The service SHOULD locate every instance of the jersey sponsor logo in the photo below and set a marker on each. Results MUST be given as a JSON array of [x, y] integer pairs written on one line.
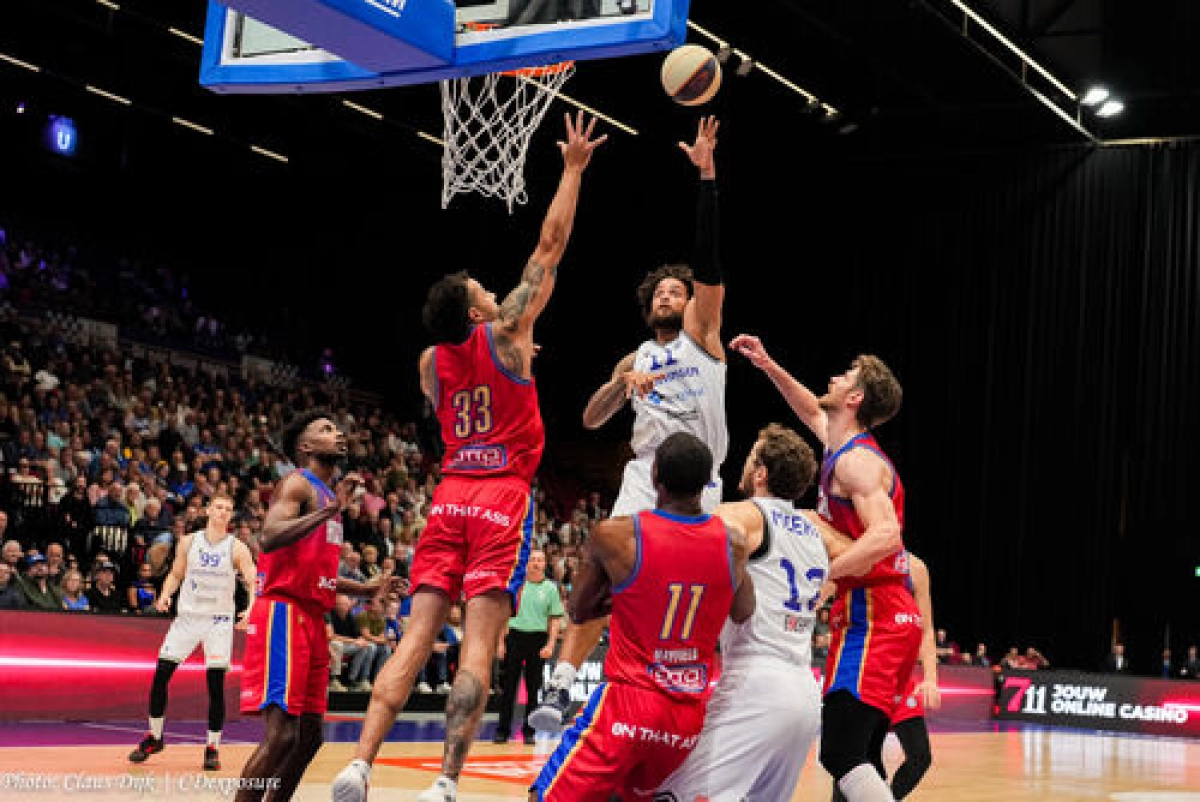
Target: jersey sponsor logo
[[680, 678], [333, 531], [796, 623], [473, 576], [327, 583], [470, 511], [908, 618], [635, 732], [479, 458]]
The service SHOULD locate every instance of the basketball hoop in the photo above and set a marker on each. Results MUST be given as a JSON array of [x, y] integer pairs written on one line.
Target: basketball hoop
[[489, 120]]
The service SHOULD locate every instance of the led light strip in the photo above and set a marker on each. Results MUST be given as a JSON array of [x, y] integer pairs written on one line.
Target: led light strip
[[982, 23]]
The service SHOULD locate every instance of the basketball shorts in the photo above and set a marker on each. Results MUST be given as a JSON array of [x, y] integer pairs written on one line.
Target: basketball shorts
[[875, 636], [909, 705], [287, 658], [625, 741], [763, 718], [477, 539], [189, 630], [637, 490]]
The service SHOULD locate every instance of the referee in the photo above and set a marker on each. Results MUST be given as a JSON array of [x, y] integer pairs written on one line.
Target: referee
[[529, 640]]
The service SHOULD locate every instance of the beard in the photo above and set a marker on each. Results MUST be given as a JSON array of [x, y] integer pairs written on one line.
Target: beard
[[670, 321]]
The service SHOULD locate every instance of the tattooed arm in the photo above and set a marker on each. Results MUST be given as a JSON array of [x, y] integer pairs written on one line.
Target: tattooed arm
[[525, 303]]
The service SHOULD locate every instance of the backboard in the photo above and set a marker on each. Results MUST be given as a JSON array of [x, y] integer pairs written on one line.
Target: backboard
[[277, 46]]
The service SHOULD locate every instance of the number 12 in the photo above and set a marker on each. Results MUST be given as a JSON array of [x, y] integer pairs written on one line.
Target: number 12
[[816, 575]]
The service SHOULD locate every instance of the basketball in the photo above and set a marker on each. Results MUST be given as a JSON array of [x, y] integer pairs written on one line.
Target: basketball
[[691, 75]]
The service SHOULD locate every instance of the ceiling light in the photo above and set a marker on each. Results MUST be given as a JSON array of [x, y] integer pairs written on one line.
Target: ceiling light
[[1094, 96], [1110, 108]]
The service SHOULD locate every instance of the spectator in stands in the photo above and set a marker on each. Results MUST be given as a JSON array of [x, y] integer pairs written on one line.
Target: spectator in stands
[[1190, 668], [1011, 659], [1116, 662], [103, 596], [820, 650], [1033, 659], [1166, 664], [77, 516], [54, 564], [392, 621], [12, 554], [372, 628], [10, 591], [73, 597], [110, 510], [142, 593], [437, 668], [369, 566], [947, 650], [981, 656], [345, 642], [37, 593]]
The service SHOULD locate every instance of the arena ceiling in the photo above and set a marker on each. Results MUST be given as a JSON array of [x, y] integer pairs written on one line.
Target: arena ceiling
[[906, 76]]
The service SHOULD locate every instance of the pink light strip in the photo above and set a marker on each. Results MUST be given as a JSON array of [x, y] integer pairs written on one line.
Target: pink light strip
[[114, 665]]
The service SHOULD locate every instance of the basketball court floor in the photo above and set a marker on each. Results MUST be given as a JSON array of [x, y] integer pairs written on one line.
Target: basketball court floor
[[992, 762]]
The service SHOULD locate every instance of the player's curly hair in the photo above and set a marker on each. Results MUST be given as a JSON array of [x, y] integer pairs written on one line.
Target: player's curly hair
[[446, 308], [289, 438], [788, 459], [645, 290], [881, 391]]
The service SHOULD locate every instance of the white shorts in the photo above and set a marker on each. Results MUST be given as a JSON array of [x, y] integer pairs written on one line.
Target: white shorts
[[763, 718], [189, 630], [637, 490]]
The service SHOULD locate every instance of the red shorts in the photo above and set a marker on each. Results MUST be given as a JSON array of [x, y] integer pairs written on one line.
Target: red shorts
[[625, 741], [287, 658], [908, 705], [875, 636], [477, 539]]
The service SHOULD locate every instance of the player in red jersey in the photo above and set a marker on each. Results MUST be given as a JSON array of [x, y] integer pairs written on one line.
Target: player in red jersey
[[477, 541], [670, 577], [287, 654], [875, 623], [908, 713]]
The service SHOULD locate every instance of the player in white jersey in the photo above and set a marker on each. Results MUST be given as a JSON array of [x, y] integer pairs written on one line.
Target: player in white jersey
[[766, 710], [675, 382], [205, 570]]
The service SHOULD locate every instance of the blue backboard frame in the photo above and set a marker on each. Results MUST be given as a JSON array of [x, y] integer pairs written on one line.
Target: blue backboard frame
[[663, 27]]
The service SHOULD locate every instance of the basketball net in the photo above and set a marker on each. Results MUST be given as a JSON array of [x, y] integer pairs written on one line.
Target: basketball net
[[489, 120]]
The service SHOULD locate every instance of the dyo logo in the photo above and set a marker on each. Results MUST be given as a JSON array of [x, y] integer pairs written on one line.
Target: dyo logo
[[327, 583]]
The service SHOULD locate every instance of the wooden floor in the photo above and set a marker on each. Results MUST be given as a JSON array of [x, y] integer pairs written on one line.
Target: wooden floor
[[1033, 764]]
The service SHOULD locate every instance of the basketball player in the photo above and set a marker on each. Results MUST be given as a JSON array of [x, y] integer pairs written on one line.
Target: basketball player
[[908, 714], [477, 540], [670, 576], [287, 649], [675, 383], [875, 624], [766, 709], [206, 567]]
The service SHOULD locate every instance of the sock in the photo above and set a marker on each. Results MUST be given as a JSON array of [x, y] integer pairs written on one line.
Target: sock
[[361, 765], [156, 726], [446, 781], [863, 784], [564, 675], [214, 738]]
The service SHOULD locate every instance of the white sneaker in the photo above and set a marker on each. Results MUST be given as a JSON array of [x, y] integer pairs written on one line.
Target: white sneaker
[[363, 685], [443, 790], [336, 686], [444, 688], [351, 783], [423, 687]]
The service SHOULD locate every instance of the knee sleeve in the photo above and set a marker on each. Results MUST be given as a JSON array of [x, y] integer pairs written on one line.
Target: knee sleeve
[[158, 689], [216, 699]]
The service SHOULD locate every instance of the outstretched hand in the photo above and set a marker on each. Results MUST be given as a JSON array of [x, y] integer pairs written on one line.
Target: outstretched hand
[[577, 150], [701, 151], [752, 348], [345, 490]]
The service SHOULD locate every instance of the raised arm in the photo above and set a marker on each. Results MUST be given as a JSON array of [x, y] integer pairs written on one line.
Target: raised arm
[[799, 398], [613, 394], [864, 478], [928, 687], [523, 305], [702, 316]]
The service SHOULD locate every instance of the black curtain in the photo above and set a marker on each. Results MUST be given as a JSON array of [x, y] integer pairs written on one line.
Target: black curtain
[[1041, 311]]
